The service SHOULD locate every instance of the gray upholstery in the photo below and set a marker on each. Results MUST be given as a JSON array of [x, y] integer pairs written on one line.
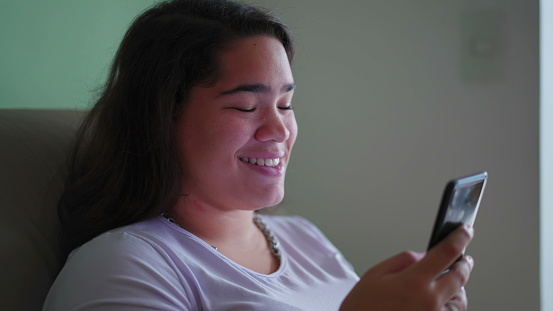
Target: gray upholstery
[[33, 149]]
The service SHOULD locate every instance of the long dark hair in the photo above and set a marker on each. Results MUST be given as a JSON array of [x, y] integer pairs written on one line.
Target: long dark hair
[[124, 167]]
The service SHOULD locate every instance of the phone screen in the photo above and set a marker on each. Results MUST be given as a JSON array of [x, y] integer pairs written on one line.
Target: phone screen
[[459, 205]]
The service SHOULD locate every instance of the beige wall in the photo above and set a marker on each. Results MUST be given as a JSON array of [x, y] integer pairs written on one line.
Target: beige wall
[[388, 112]]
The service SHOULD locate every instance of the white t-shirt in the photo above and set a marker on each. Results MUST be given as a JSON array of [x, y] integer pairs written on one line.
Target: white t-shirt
[[156, 265]]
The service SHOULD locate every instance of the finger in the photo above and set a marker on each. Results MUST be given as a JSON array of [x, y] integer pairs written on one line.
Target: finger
[[458, 302], [396, 263], [445, 253], [450, 306], [451, 282]]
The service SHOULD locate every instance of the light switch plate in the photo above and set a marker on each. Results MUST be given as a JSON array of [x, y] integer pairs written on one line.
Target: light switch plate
[[482, 46]]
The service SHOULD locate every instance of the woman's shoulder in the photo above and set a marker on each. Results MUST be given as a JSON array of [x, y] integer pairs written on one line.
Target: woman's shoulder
[[126, 238], [120, 248], [118, 266]]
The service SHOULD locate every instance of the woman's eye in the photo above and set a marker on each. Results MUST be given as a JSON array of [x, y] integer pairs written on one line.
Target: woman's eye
[[244, 109], [286, 108]]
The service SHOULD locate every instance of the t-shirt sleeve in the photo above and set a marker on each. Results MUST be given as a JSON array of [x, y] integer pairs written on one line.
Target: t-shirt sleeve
[[120, 271]]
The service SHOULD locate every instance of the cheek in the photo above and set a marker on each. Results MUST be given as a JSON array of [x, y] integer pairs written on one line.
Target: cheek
[[221, 137]]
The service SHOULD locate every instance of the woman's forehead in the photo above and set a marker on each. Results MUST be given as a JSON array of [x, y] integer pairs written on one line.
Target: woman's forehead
[[255, 60]]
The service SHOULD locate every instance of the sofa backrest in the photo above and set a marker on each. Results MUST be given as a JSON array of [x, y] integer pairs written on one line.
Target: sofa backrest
[[34, 145]]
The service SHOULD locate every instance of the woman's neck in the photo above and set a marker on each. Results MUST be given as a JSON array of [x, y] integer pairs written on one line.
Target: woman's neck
[[222, 228], [232, 232]]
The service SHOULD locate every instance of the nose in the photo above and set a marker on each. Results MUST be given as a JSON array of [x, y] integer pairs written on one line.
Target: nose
[[273, 127]]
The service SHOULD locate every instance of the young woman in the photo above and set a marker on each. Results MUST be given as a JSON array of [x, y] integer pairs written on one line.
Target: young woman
[[191, 136]]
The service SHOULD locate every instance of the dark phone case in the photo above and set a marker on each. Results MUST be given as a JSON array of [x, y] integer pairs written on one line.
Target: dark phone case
[[459, 205]]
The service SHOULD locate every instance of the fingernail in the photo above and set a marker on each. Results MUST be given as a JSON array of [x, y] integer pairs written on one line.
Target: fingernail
[[469, 229], [470, 260]]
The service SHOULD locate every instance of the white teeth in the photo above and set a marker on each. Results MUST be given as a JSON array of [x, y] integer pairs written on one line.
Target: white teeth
[[261, 161]]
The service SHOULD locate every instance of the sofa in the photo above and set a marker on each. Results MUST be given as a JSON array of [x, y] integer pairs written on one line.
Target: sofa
[[33, 157]]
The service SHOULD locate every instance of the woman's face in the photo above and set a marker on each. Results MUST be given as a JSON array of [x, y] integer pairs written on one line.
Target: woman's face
[[235, 137]]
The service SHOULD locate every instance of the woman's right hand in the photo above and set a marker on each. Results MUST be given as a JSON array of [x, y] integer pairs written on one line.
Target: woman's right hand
[[417, 281]]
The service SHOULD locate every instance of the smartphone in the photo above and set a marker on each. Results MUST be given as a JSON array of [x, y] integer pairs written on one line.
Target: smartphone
[[459, 205]]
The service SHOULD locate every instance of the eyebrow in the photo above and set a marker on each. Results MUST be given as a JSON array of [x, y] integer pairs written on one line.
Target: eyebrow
[[257, 88]]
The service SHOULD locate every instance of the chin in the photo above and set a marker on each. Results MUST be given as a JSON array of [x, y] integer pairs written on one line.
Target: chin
[[276, 200], [268, 201]]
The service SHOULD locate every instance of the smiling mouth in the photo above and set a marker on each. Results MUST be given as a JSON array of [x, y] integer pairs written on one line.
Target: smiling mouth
[[261, 161]]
